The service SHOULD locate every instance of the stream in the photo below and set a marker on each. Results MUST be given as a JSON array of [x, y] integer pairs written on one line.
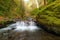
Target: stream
[[25, 30], [21, 26]]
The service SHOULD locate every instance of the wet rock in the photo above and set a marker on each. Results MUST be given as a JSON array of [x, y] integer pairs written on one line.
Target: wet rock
[[4, 24]]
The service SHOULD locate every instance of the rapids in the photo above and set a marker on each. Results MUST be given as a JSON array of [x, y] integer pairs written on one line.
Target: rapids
[[22, 26]]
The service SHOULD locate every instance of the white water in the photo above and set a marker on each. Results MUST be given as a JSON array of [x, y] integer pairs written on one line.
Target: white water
[[22, 26]]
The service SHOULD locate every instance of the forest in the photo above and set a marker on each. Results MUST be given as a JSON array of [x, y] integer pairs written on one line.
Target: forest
[[45, 13]]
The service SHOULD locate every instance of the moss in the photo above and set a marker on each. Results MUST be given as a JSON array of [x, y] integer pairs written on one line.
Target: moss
[[49, 16]]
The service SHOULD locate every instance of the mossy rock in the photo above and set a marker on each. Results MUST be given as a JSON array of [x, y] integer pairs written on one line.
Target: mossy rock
[[49, 17], [51, 23]]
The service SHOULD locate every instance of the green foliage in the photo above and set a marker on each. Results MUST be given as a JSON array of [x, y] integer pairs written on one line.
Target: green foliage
[[6, 7], [50, 1], [12, 9], [54, 6], [49, 16], [35, 11]]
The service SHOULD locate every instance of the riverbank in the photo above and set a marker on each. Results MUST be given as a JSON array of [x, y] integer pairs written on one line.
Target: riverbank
[[47, 30]]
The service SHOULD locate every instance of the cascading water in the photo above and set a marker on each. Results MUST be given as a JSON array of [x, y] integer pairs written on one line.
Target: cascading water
[[22, 26]]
